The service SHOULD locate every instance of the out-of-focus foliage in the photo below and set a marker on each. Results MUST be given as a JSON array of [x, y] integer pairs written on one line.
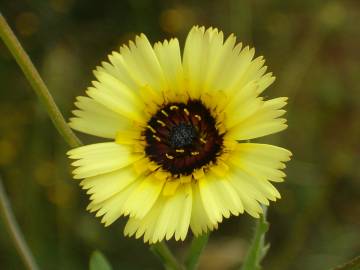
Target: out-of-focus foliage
[[312, 46]]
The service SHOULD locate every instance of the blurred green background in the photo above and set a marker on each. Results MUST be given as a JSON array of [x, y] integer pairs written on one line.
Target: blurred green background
[[312, 46]]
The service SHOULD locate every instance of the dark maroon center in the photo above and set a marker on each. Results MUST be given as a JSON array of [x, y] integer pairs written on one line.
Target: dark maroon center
[[182, 137]]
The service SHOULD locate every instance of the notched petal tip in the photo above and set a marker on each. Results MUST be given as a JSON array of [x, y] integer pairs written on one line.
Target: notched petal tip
[[77, 177], [143, 36], [71, 152]]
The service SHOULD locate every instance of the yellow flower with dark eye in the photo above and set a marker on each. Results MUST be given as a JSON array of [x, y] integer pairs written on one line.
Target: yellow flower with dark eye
[[178, 155]]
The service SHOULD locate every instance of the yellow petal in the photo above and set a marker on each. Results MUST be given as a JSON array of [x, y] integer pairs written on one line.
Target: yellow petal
[[142, 63], [106, 185], [170, 216], [264, 121], [108, 123], [100, 158], [263, 161], [171, 187], [144, 197], [200, 221], [168, 54]]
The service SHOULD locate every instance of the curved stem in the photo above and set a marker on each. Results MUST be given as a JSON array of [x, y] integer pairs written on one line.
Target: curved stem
[[197, 246], [162, 251], [14, 231], [32, 75]]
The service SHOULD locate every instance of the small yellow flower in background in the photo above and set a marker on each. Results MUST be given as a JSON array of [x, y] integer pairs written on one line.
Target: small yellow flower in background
[[178, 155]]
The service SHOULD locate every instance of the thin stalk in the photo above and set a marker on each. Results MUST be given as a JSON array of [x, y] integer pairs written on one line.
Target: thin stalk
[[354, 264], [14, 231], [197, 246], [258, 249], [38, 85], [162, 251]]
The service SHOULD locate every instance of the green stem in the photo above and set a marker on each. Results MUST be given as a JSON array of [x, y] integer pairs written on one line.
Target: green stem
[[32, 75], [162, 251], [354, 264], [197, 246], [14, 231], [258, 249]]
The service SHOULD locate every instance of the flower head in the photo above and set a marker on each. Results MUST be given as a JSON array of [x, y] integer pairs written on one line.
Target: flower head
[[178, 155]]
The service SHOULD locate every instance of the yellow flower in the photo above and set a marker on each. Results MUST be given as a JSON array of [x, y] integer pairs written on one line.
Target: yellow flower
[[178, 155]]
